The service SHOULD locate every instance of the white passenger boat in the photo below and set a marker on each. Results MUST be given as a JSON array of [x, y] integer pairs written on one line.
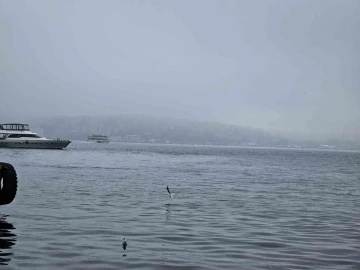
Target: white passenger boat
[[98, 138]]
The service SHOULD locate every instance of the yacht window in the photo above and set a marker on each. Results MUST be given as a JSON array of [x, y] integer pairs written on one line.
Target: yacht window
[[15, 136], [23, 136]]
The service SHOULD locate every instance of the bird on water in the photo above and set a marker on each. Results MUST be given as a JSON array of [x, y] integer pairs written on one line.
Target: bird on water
[[171, 195], [124, 244]]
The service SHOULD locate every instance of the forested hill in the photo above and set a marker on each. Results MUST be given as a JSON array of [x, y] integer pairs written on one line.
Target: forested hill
[[154, 129]]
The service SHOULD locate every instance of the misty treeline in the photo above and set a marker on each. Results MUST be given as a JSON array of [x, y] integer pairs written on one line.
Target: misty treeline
[[155, 129]]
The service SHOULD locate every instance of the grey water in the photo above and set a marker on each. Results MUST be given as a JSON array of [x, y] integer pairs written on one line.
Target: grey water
[[233, 208]]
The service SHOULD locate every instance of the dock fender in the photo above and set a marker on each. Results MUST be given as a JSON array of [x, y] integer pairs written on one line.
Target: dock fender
[[8, 181]]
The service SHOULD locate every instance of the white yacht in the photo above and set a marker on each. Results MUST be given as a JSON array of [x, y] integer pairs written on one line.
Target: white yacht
[[20, 136], [99, 138]]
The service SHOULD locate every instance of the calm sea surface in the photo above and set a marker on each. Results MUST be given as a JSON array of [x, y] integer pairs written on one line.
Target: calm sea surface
[[234, 208]]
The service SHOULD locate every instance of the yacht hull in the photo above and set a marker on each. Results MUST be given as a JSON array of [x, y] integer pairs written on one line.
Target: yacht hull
[[35, 144]]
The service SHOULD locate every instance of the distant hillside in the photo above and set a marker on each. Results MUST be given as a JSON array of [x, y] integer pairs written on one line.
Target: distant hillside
[[154, 129]]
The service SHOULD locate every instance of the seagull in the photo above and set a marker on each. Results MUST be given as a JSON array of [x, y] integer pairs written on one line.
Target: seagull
[[124, 244], [171, 195]]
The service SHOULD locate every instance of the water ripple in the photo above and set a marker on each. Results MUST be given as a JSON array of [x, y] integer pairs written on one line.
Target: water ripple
[[234, 208]]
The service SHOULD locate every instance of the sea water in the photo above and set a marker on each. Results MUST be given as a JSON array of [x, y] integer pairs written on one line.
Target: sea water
[[233, 208]]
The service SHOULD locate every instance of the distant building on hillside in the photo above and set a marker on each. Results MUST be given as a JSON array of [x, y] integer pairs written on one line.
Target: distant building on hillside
[[132, 138]]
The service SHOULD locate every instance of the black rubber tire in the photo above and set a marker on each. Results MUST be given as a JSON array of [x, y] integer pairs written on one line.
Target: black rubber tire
[[8, 178]]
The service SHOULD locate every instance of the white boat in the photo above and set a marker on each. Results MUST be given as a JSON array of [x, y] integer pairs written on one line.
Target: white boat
[[99, 138], [20, 136]]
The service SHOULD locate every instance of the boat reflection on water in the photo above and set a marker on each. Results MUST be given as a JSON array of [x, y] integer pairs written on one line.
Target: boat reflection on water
[[7, 240]]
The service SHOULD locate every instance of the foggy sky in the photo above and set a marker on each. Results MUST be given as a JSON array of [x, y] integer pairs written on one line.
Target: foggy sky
[[291, 66]]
